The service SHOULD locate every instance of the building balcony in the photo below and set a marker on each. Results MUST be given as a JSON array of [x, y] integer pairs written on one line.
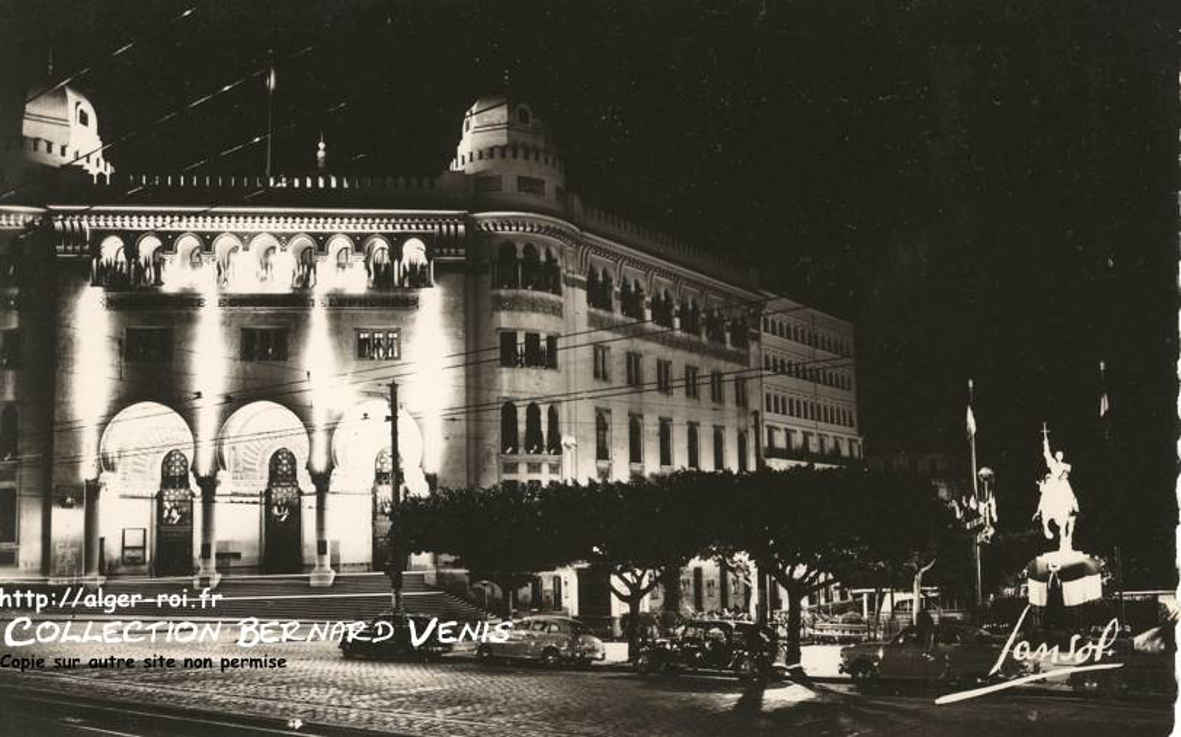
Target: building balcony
[[809, 456]]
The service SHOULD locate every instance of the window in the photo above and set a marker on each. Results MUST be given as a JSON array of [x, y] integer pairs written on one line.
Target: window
[[488, 184], [8, 433], [715, 387], [10, 349], [531, 185], [135, 545], [664, 371], [375, 344], [602, 363], [508, 428], [8, 516], [742, 466], [720, 447], [508, 349], [740, 392], [533, 352], [83, 117], [771, 433], [553, 433], [635, 439], [691, 382], [602, 435], [533, 440], [635, 374], [147, 345], [551, 351], [264, 344], [693, 446], [666, 441]]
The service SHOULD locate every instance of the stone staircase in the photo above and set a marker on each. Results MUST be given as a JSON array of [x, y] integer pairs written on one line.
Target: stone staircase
[[352, 596]]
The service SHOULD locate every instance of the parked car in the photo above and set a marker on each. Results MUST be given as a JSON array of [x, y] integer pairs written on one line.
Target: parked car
[[389, 636], [953, 654], [743, 649], [549, 639], [1147, 667]]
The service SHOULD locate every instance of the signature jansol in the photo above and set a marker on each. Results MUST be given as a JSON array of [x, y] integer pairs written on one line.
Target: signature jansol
[[1074, 660]]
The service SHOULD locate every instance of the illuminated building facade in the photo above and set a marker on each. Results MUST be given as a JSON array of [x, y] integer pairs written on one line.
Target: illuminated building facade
[[217, 353]]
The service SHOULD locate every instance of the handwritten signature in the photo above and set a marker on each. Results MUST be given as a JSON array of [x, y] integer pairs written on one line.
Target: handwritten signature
[[1074, 660]]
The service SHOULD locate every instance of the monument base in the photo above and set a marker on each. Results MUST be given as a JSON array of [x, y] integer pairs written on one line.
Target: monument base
[[1076, 572]]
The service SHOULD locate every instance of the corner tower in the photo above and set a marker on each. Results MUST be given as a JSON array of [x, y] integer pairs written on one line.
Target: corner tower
[[508, 148]]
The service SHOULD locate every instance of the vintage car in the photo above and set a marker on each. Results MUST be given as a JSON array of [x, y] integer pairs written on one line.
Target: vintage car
[[1146, 670], [952, 654], [548, 639], [743, 649], [389, 636]]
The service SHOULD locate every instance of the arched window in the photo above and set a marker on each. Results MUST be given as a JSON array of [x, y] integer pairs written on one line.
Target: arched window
[[282, 468], [662, 310], [553, 273], [608, 287], [508, 428], [592, 288], [553, 433], [174, 471], [625, 297], [8, 433], [342, 259], [635, 439], [83, 116], [531, 268], [507, 274], [383, 468], [534, 443]]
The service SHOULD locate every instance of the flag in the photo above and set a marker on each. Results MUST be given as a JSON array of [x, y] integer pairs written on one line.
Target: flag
[[971, 423], [271, 80], [1104, 403]]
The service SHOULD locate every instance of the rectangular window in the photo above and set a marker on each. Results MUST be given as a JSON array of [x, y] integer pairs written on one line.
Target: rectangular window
[[715, 387], [602, 434], [664, 370], [147, 345], [10, 348], [488, 184], [694, 459], [691, 390], [8, 516], [508, 348], [531, 185], [533, 353], [602, 363], [135, 545], [635, 439], [720, 447], [551, 351], [666, 441], [264, 344], [771, 432], [375, 344], [740, 392], [635, 374]]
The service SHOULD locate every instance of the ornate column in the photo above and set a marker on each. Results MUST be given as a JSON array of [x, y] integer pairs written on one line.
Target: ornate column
[[207, 574], [322, 575], [92, 550]]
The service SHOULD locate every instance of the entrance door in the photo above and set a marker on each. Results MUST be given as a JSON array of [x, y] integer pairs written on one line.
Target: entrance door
[[174, 518], [283, 551]]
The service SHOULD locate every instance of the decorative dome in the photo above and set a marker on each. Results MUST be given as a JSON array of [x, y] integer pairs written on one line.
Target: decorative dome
[[503, 135], [60, 128]]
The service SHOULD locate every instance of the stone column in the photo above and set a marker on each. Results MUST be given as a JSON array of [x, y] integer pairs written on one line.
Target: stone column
[[322, 575], [207, 574], [91, 549]]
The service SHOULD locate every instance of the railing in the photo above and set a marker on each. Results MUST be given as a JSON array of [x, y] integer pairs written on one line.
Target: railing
[[800, 454]]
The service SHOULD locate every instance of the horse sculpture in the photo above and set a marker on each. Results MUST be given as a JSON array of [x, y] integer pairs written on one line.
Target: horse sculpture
[[1058, 503]]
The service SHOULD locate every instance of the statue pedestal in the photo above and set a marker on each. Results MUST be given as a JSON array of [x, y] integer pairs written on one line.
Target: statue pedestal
[[1076, 572]]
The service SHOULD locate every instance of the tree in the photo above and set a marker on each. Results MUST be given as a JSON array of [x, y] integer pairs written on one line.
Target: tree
[[503, 534], [643, 531], [797, 525]]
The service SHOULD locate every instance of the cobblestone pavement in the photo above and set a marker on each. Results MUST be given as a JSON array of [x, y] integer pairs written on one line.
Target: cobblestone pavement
[[460, 697]]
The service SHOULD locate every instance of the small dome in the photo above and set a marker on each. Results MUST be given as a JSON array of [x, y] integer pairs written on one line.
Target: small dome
[[504, 136], [60, 128]]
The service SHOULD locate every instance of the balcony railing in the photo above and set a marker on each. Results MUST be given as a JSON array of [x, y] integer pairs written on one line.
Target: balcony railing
[[808, 456]]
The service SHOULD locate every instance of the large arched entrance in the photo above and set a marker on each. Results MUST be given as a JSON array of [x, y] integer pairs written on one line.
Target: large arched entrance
[[363, 462], [146, 485], [263, 448], [174, 517]]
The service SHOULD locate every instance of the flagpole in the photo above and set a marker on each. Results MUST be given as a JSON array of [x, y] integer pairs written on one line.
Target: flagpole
[[270, 109], [975, 495]]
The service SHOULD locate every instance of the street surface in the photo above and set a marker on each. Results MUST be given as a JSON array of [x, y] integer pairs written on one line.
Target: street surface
[[333, 696]]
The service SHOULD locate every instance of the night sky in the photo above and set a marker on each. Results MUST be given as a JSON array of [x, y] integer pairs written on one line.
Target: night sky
[[985, 188]]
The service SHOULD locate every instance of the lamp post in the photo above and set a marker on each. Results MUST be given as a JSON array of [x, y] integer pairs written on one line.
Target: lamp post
[[397, 562]]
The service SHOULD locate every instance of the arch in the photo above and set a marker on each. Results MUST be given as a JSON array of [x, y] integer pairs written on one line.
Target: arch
[[252, 434], [508, 275], [111, 249], [137, 439], [414, 252], [174, 517], [508, 428], [553, 431], [303, 252], [147, 245], [363, 433], [283, 549], [338, 243], [534, 441], [188, 251], [223, 245], [530, 267]]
